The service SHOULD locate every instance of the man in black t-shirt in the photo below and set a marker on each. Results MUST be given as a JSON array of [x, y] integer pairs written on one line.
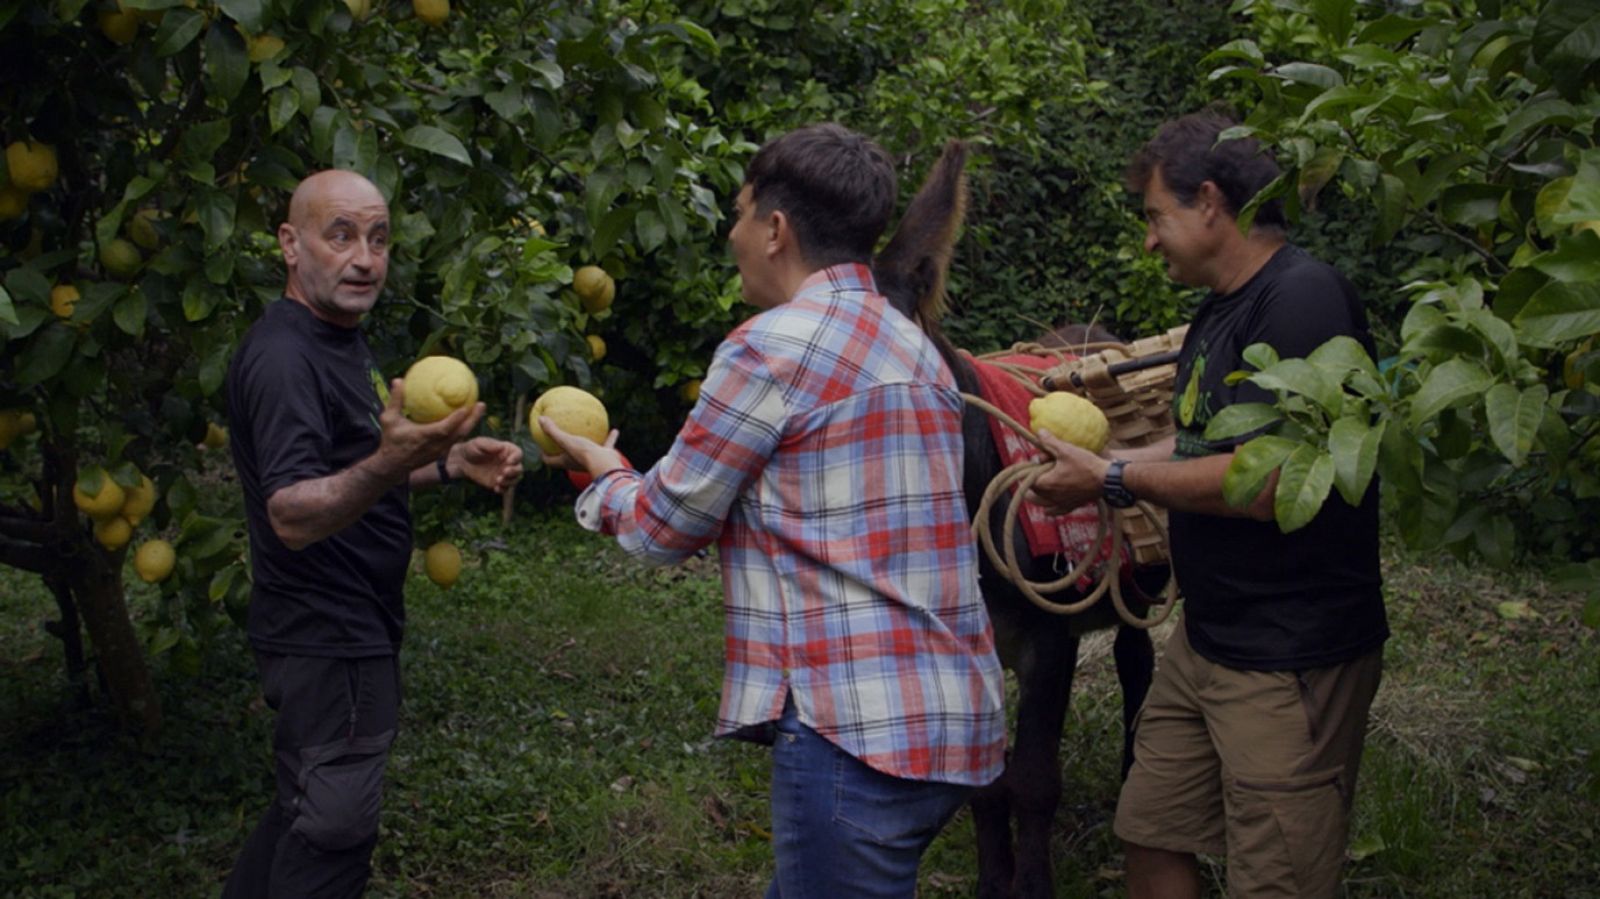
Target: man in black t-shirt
[[1250, 739], [326, 461]]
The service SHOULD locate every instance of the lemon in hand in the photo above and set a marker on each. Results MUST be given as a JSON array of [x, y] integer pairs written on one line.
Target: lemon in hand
[[576, 411], [442, 562], [437, 386], [1071, 418]]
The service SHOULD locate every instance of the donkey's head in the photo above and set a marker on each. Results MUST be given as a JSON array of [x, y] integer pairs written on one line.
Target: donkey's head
[[911, 269]]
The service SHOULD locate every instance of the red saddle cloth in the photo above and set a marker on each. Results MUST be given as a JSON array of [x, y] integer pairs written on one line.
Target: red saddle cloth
[[1071, 535]]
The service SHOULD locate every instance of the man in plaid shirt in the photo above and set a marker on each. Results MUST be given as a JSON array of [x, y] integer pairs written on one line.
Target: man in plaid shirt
[[824, 457]]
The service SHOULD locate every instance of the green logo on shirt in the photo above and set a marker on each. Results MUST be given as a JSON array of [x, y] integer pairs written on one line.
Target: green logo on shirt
[[1190, 402]]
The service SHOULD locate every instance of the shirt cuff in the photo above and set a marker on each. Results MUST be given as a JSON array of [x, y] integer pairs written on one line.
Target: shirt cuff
[[588, 507]]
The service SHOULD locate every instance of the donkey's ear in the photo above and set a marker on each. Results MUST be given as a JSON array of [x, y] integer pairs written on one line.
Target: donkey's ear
[[918, 255]]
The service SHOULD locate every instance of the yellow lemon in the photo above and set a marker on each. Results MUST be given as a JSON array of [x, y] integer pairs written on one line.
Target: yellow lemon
[[153, 561], [433, 12], [113, 533], [119, 27], [139, 502], [13, 202], [437, 386], [141, 229], [216, 436], [597, 347], [594, 287], [32, 165], [104, 504], [121, 258], [63, 297], [576, 411], [1071, 418], [359, 9], [690, 390], [15, 423], [442, 562], [263, 47]]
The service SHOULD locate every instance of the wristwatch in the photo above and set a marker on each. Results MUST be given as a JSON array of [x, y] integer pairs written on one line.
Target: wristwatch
[[1117, 495]]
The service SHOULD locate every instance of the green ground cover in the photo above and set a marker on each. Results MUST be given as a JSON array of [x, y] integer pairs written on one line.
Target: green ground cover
[[555, 742]]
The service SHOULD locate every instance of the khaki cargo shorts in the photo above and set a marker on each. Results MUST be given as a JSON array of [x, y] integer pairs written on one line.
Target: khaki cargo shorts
[[1259, 766]]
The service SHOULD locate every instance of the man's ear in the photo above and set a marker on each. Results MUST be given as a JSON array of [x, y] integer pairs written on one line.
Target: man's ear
[[289, 243], [780, 233], [1210, 197]]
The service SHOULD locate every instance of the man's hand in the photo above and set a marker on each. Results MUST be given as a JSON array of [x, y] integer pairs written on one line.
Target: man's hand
[[581, 453], [1075, 479], [491, 464], [406, 445]]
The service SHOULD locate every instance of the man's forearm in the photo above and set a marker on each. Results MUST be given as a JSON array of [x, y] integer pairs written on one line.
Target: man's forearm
[[309, 511], [1193, 485]]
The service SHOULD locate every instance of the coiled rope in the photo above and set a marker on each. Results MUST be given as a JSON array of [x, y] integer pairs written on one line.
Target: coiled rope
[[1022, 476]]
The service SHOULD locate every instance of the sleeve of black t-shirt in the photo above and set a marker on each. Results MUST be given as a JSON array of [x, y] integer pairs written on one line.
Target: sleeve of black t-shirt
[[284, 413], [1303, 312]]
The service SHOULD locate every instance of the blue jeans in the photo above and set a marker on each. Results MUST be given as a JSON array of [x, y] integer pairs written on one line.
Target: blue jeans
[[842, 829]]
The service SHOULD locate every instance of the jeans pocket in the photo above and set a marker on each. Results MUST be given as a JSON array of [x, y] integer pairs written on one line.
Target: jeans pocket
[[892, 811]]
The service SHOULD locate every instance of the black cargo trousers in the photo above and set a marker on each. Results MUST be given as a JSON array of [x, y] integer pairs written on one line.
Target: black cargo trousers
[[336, 722]]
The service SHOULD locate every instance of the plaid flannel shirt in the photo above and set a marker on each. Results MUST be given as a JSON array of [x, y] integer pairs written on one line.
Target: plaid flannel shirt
[[824, 458]]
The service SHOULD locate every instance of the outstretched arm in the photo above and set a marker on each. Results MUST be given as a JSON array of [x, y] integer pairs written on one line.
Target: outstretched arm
[[308, 511], [1187, 485], [494, 465]]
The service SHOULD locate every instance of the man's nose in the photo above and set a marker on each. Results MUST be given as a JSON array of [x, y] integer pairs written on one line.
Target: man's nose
[[364, 256], [1150, 242]]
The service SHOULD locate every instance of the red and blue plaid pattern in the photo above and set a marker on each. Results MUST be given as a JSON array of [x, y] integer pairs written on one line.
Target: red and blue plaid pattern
[[824, 458]]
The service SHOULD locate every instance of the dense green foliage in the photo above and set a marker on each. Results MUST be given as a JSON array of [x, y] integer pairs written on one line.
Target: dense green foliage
[[1473, 128], [555, 741]]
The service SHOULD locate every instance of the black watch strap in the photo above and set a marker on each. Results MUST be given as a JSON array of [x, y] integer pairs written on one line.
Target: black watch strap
[[1117, 494], [444, 472]]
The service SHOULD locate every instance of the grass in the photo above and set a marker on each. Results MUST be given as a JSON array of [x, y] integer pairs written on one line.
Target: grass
[[555, 742]]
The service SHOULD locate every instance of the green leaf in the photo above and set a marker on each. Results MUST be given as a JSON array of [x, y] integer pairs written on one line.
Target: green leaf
[[1301, 377], [1241, 418], [46, 355], [1558, 312], [282, 104], [1514, 418], [1390, 195], [1354, 449], [179, 26], [508, 103], [129, 313], [1259, 356], [1575, 258], [1253, 463], [611, 228], [1447, 384], [249, 13], [216, 212], [1341, 355], [1304, 480], [1392, 29], [438, 142], [1471, 204], [227, 62], [309, 90], [1336, 18], [8, 312], [1566, 40], [1309, 73]]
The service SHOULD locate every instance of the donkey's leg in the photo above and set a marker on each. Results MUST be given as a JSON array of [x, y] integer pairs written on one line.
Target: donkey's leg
[[1136, 661], [991, 822], [1034, 774]]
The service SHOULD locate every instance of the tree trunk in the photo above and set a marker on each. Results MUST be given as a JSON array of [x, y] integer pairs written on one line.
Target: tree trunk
[[97, 585], [70, 630]]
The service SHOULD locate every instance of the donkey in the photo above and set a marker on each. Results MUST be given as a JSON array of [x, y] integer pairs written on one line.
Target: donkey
[[1040, 647]]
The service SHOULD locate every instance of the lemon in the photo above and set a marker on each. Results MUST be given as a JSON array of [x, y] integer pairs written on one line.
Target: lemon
[[15, 423], [119, 27], [359, 9], [437, 386], [433, 12], [153, 561], [13, 202], [597, 347], [140, 500], [442, 562], [63, 297], [594, 287], [576, 411], [121, 258], [113, 533], [1071, 418], [690, 390], [263, 47], [141, 229], [493, 422], [105, 503], [216, 436], [32, 165]]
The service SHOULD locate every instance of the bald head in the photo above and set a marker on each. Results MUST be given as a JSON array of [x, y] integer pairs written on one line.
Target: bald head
[[336, 246]]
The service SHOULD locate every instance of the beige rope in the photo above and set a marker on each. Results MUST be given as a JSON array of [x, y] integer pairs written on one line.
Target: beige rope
[[1021, 476]]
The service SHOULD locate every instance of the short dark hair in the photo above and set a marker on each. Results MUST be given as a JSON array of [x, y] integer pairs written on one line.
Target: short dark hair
[[836, 187], [1187, 154]]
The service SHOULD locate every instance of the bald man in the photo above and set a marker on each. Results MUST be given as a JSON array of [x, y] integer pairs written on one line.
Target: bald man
[[326, 461]]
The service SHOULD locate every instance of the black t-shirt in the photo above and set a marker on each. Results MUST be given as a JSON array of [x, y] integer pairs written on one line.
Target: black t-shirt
[[1256, 598], [303, 402]]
